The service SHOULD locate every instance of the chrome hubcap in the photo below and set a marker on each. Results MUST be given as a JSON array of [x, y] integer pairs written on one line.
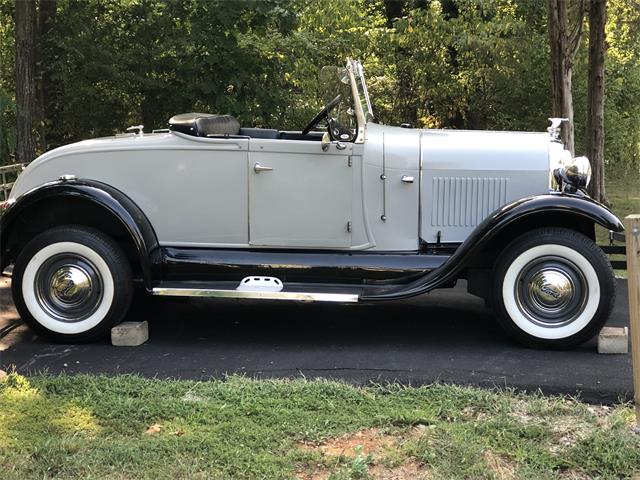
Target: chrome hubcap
[[68, 287], [551, 291]]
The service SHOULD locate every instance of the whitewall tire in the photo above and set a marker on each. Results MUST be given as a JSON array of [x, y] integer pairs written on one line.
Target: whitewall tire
[[553, 288], [72, 283]]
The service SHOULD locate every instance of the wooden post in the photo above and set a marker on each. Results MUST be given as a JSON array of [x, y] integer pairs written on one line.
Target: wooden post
[[632, 227]]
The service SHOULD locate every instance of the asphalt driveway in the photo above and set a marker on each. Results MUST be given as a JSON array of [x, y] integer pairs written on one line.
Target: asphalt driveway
[[445, 336]]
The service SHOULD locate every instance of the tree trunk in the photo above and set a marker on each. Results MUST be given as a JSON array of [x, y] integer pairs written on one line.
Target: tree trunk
[[564, 45], [25, 83], [595, 98], [46, 18], [393, 9]]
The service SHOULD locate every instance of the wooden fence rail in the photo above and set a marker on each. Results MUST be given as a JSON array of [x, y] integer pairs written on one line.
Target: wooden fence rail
[[8, 174]]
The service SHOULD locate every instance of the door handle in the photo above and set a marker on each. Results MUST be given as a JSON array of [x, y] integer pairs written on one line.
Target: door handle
[[407, 179], [261, 168]]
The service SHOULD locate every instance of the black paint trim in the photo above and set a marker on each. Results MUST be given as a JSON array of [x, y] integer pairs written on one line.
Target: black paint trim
[[111, 199], [556, 203], [198, 264]]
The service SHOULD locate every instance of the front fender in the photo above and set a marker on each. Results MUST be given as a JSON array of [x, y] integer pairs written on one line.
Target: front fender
[[555, 203], [113, 201]]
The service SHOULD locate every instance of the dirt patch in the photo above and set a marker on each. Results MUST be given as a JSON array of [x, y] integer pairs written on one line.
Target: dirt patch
[[573, 475], [370, 441], [566, 434], [410, 470], [502, 467], [406, 471], [470, 413], [602, 414], [567, 429], [520, 410]]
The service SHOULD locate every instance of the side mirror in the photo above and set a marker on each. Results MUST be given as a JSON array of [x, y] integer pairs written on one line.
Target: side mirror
[[326, 141]]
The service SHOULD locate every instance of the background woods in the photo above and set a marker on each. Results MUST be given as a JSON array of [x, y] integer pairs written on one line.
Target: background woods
[[98, 66]]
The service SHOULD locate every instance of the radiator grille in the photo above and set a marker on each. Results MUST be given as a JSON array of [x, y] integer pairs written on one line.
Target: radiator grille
[[465, 201]]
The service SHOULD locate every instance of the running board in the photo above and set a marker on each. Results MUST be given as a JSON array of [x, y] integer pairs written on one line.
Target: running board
[[260, 295]]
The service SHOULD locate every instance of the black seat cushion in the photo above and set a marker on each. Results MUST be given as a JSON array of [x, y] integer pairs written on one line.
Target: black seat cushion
[[204, 124], [260, 133]]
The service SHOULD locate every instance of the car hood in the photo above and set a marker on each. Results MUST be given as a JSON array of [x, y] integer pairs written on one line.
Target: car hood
[[485, 150]]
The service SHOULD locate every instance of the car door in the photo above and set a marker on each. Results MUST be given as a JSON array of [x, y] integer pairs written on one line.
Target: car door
[[299, 195]]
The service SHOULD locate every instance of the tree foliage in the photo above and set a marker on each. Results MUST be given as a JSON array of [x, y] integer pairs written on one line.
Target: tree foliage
[[108, 64]]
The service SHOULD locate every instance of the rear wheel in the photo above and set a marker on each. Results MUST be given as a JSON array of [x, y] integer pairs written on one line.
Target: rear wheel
[[72, 284], [553, 288]]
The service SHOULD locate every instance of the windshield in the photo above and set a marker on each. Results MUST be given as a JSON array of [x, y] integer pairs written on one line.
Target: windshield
[[353, 110], [335, 81]]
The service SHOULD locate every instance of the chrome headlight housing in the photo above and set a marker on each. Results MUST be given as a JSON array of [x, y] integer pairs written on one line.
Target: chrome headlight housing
[[575, 176]]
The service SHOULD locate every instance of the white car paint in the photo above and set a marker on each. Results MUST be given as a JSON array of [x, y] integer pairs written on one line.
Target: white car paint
[[204, 192]]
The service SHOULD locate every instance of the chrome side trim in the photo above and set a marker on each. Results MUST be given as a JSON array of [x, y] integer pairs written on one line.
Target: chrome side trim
[[216, 293]]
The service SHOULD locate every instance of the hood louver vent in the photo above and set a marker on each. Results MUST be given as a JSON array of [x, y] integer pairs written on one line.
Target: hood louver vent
[[465, 201]]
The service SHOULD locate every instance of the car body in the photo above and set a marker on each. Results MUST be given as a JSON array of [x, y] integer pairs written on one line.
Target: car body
[[361, 212]]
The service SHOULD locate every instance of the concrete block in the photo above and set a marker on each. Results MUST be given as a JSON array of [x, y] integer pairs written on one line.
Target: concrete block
[[130, 334], [613, 340]]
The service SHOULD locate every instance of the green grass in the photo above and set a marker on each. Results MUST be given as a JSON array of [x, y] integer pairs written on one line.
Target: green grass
[[96, 427], [623, 192]]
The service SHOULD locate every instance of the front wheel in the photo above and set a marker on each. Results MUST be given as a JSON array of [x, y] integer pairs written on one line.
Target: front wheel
[[72, 284], [553, 288]]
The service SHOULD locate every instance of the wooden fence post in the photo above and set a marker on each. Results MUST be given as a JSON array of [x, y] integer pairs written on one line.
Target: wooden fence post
[[632, 233]]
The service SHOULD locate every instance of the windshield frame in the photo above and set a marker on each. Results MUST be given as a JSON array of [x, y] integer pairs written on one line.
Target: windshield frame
[[368, 112], [356, 73]]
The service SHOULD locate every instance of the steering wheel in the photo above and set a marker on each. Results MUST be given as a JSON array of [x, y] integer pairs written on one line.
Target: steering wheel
[[321, 115]]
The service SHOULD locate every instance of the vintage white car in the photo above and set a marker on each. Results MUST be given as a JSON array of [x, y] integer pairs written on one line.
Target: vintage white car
[[353, 212]]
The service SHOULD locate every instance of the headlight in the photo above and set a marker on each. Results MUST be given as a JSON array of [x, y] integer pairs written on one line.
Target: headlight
[[575, 176]]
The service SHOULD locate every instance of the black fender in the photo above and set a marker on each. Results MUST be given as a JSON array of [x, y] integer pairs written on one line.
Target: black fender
[[569, 205], [113, 201]]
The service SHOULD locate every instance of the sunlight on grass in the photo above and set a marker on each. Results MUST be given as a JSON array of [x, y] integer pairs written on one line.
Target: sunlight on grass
[[17, 398], [74, 419], [26, 414]]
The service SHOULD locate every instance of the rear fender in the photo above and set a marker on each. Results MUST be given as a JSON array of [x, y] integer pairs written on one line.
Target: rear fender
[[103, 198]]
